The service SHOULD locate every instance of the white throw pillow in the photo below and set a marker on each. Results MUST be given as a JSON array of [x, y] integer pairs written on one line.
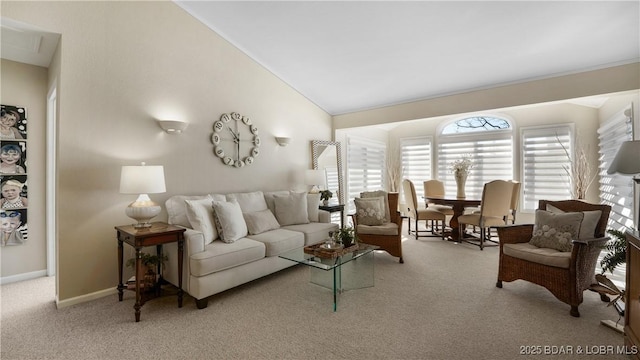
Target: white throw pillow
[[250, 201], [229, 221], [313, 201], [260, 221], [291, 209], [200, 215], [370, 211], [269, 198], [378, 193]]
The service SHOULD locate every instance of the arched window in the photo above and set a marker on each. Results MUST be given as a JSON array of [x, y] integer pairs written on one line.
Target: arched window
[[487, 140]]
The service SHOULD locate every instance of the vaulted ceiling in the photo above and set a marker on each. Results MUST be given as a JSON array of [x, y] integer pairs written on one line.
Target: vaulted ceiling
[[347, 56]]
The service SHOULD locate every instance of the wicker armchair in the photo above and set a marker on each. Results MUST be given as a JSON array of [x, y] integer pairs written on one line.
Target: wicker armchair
[[566, 275], [388, 236]]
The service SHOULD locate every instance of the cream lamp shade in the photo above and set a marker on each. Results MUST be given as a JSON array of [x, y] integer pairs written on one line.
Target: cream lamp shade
[[142, 180], [315, 178]]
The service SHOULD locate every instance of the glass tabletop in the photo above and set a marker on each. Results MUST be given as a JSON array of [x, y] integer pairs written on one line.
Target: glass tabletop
[[299, 256]]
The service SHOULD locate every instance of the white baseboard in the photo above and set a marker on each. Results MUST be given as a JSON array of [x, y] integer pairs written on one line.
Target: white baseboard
[[22, 277], [86, 297]]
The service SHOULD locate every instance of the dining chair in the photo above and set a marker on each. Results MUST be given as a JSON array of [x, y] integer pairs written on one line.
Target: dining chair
[[416, 213], [435, 188], [515, 201], [496, 199]]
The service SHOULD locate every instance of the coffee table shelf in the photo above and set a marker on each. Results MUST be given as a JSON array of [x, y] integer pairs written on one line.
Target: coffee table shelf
[[352, 270]]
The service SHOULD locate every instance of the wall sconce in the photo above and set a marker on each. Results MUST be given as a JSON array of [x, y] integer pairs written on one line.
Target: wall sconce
[[172, 126], [283, 141]]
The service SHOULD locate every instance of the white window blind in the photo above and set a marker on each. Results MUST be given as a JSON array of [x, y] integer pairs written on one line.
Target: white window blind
[[416, 161], [491, 153], [543, 159], [615, 190], [366, 167]]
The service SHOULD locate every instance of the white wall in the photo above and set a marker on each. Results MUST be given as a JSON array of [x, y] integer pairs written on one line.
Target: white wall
[[124, 64]]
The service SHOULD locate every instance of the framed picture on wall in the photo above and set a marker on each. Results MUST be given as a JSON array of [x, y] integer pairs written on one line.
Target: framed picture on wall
[[13, 192], [13, 157], [13, 122], [13, 227]]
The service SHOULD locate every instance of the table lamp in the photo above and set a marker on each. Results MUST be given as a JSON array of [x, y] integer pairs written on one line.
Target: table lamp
[[315, 178], [142, 180], [627, 162]]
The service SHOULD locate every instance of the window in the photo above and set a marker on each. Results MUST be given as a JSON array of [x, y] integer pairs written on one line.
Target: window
[[416, 161], [366, 167], [545, 165], [488, 141], [615, 190]]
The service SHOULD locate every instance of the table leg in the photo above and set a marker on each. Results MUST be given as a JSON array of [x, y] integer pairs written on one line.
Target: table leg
[[138, 305], [458, 210], [180, 261], [120, 255]]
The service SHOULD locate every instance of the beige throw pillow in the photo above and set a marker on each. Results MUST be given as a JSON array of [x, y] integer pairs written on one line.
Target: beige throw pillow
[[589, 223], [260, 221], [200, 215], [229, 221], [555, 231], [379, 193], [291, 209], [370, 211]]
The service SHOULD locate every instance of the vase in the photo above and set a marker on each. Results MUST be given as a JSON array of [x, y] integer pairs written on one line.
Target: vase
[[461, 179], [325, 202]]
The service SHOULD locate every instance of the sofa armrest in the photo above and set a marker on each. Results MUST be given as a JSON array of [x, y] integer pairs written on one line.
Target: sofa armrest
[[193, 242], [513, 234], [324, 216]]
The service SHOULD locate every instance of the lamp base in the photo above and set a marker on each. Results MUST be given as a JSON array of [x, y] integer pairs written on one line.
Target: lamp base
[[142, 210]]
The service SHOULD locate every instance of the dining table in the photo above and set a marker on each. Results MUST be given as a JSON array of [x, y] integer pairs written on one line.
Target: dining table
[[458, 205]]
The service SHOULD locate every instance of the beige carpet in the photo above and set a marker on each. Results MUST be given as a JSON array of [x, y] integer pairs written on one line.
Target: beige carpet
[[441, 303]]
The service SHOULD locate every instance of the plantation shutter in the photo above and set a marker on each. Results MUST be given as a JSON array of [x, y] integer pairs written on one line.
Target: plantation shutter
[[544, 162], [366, 167], [616, 190], [416, 161], [491, 153]]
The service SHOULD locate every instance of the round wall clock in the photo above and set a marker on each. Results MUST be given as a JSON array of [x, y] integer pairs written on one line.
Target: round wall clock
[[235, 140]]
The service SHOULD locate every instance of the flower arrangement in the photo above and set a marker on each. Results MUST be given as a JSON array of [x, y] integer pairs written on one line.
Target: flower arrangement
[[462, 165]]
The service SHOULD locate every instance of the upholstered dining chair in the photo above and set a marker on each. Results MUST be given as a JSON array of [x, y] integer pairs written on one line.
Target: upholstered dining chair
[[435, 188], [566, 268], [415, 212], [387, 232], [496, 199], [515, 201]]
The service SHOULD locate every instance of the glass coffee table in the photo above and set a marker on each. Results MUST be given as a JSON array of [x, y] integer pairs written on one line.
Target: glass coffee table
[[353, 270]]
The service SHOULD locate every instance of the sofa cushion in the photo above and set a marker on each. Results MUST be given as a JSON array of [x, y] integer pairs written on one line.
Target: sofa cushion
[[219, 256], [555, 231], [177, 208], [545, 256], [370, 211], [313, 201], [314, 232], [249, 201], [279, 241], [200, 215], [588, 225], [291, 209], [384, 229], [229, 221], [260, 221]]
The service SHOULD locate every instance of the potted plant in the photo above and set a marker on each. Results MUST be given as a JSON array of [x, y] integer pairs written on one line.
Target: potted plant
[[617, 251], [147, 272], [325, 195], [345, 236]]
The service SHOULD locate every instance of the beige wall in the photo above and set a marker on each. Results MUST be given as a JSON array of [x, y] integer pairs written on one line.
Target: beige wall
[[26, 85], [121, 66]]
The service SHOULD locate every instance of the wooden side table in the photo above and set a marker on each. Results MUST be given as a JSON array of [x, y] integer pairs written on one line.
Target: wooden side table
[[158, 234], [335, 208]]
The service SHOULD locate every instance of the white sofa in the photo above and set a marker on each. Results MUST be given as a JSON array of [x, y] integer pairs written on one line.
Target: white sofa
[[212, 265]]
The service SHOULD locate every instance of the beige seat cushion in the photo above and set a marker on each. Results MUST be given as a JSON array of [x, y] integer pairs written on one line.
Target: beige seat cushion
[[384, 229], [279, 240], [545, 256], [219, 256]]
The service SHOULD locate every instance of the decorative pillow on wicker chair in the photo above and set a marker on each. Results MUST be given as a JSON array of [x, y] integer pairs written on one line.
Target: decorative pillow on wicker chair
[[589, 223], [384, 195], [370, 211], [555, 231]]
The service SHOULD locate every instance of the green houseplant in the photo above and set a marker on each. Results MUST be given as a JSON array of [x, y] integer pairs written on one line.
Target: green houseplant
[[147, 272], [325, 195], [617, 251], [346, 236]]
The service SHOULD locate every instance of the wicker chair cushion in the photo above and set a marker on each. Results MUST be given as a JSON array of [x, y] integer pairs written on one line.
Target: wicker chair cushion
[[370, 211], [545, 256], [555, 231], [384, 229]]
